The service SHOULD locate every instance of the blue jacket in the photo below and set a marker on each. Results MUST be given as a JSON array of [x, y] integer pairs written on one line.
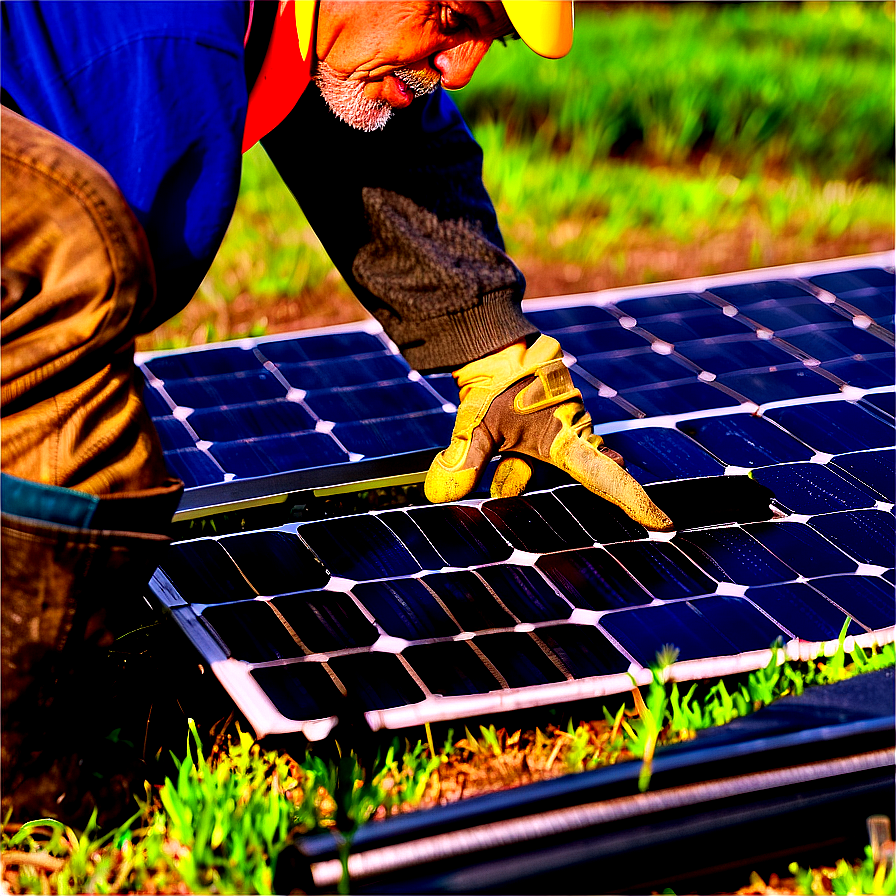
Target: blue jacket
[[156, 92]]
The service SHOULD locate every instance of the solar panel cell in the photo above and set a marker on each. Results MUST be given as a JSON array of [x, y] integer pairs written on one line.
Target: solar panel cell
[[263, 418], [300, 691], [358, 548], [744, 440], [805, 613], [275, 562], [194, 466], [582, 650], [801, 548], [272, 454], [203, 572], [679, 398], [325, 620], [452, 668], [320, 348], [406, 608], [603, 522], [683, 327], [252, 632], [209, 362], [866, 535], [813, 488], [396, 435], [525, 593], [235, 388], [519, 659], [376, 681], [729, 355], [537, 524], [743, 295], [835, 426], [309, 375], [662, 569], [655, 454], [468, 600], [461, 534], [731, 555], [873, 469], [592, 579], [740, 622], [868, 599], [795, 381]]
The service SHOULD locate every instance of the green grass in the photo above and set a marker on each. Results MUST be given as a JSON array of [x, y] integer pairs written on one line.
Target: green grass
[[218, 824]]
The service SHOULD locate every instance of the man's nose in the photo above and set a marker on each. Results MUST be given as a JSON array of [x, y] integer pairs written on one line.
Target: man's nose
[[456, 66]]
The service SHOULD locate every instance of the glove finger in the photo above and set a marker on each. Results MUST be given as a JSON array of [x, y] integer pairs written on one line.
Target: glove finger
[[511, 477], [455, 471], [604, 477]]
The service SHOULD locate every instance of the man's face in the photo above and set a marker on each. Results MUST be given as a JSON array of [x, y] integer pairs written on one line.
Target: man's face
[[375, 56]]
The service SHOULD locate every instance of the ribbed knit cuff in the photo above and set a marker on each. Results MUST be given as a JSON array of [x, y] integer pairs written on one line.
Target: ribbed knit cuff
[[449, 342]]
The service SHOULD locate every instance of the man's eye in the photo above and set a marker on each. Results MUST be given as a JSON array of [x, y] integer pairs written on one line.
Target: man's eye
[[451, 21]]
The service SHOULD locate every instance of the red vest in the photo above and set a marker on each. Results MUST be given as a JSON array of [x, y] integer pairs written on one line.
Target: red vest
[[285, 71]]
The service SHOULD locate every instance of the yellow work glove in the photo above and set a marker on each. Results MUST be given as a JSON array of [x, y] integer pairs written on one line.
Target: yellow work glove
[[521, 402]]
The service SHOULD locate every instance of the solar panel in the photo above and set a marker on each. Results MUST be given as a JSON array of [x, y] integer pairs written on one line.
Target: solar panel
[[744, 406]]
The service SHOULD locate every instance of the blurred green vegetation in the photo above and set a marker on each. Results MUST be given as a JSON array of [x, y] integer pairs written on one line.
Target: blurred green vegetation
[[676, 139], [803, 87]]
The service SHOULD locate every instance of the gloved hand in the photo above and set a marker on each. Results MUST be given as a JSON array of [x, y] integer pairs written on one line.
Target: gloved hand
[[521, 402]]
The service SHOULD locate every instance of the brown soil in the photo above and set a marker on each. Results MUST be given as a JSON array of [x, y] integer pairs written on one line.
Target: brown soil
[[644, 262]]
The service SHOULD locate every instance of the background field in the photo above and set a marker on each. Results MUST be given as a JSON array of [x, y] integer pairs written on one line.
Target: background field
[[675, 140]]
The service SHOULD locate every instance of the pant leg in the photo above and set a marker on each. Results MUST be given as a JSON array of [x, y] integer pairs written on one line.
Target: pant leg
[[77, 283]]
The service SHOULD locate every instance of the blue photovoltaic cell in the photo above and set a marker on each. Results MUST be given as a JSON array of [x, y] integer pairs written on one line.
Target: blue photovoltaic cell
[[813, 488], [558, 584], [729, 355], [519, 659], [406, 608], [663, 306], [835, 426], [376, 680], [801, 548], [297, 451], [173, 434], [352, 403], [631, 369], [606, 338], [195, 467], [865, 373], [210, 362], [300, 690], [743, 440], [538, 524], [592, 579], [215, 391], [662, 569], [525, 593], [275, 562], [873, 469], [680, 398], [558, 319], [320, 348], [795, 381], [744, 295], [468, 600], [252, 632], [263, 418], [730, 555], [805, 613], [325, 620], [452, 669], [462, 535], [882, 402], [655, 454], [831, 342], [642, 635], [866, 535], [310, 375], [867, 599], [705, 324], [358, 548], [382, 438], [582, 650]]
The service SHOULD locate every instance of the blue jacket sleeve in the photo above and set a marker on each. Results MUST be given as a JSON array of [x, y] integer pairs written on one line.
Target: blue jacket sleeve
[[405, 217], [156, 93]]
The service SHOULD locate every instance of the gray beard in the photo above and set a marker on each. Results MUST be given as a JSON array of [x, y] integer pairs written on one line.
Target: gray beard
[[348, 102]]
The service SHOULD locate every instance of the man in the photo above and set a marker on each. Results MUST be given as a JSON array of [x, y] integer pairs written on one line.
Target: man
[[122, 130]]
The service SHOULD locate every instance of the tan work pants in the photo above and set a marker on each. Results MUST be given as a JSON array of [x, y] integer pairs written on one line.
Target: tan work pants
[[77, 283]]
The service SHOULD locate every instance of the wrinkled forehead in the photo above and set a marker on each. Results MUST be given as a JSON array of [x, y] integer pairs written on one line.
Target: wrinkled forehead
[[490, 17]]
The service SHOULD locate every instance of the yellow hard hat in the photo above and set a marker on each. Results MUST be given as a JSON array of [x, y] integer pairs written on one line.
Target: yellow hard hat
[[544, 25]]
